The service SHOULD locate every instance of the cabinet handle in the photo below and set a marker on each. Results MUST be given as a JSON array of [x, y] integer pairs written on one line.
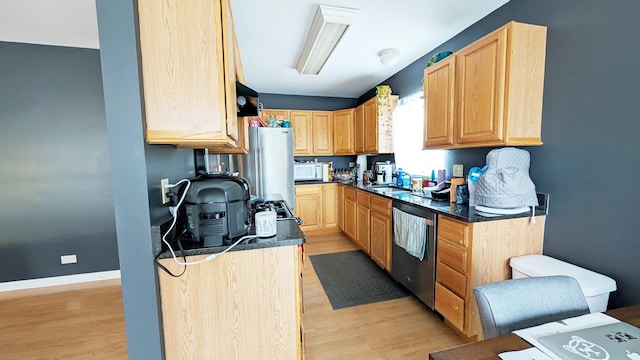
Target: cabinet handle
[[456, 307]]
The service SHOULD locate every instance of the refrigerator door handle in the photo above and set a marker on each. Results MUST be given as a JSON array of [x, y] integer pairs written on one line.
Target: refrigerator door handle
[[258, 169]]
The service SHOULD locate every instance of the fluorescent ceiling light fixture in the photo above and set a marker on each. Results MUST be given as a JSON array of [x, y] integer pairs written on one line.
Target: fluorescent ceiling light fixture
[[329, 24]]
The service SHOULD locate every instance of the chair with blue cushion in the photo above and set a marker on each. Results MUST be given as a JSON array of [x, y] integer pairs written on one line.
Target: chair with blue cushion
[[516, 304]]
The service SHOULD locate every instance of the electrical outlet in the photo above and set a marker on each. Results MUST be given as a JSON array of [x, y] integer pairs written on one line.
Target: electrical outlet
[[164, 188], [68, 259], [458, 170]]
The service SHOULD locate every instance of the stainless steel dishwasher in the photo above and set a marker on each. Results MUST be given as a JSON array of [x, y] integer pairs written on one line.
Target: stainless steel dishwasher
[[419, 276]]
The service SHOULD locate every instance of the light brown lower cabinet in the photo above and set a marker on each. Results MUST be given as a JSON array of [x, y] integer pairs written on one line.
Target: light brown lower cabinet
[[471, 254], [241, 305], [380, 233], [317, 207], [367, 222]]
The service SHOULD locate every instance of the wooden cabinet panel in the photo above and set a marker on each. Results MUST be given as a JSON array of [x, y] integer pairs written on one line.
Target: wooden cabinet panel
[[266, 114], [481, 70], [350, 217], [363, 198], [453, 255], [340, 207], [450, 305], [380, 204], [302, 131], [380, 238], [262, 288], [362, 228], [183, 107], [359, 129], [452, 279], [322, 132], [343, 132], [453, 231], [308, 200], [329, 206], [349, 193], [439, 86], [371, 126]]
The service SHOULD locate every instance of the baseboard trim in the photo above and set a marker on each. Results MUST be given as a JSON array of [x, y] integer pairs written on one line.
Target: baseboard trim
[[59, 280]]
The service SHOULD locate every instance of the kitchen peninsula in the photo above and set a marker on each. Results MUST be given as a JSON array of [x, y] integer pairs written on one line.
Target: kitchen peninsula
[[245, 304]]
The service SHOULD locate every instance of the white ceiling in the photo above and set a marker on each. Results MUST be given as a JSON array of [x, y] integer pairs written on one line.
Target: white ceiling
[[271, 33]]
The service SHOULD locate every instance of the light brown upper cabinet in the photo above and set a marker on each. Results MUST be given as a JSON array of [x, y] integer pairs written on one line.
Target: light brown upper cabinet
[[301, 122], [498, 87], [358, 136], [378, 126], [189, 88], [439, 84], [322, 132], [343, 127], [312, 130]]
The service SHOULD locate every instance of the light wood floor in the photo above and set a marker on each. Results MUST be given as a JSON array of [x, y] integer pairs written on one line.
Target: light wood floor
[[86, 321], [81, 321], [397, 329]]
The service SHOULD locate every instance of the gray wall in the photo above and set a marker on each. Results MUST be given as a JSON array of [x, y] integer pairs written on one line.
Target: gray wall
[[589, 160], [299, 102], [56, 194]]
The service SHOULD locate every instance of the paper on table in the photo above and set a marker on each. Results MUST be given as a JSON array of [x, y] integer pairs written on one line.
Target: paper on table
[[532, 334], [526, 354]]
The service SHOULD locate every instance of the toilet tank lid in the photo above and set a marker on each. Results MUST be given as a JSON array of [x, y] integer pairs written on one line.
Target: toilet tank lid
[[592, 283]]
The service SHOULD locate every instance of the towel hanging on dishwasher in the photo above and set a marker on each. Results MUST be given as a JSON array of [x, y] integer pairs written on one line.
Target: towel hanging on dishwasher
[[410, 233]]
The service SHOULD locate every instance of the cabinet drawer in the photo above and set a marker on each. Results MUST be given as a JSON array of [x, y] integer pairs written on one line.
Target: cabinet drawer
[[308, 189], [380, 204], [450, 230], [349, 193], [452, 279], [363, 198], [452, 255], [450, 306]]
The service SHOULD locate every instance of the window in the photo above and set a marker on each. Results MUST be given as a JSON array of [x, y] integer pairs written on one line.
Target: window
[[408, 133]]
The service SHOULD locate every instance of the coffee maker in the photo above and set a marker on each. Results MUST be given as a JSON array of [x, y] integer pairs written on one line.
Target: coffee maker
[[384, 172]]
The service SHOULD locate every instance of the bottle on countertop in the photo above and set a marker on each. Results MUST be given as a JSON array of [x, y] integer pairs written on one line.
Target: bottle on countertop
[[399, 175], [406, 181]]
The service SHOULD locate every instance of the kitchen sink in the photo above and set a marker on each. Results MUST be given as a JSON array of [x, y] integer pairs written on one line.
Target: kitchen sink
[[389, 190]]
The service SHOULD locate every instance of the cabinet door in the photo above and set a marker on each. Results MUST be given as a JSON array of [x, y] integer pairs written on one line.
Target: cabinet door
[[343, 124], [350, 218], [309, 206], [183, 107], [380, 236], [340, 207], [358, 137], [302, 132], [362, 232], [481, 73], [329, 205], [439, 85], [229, 53], [322, 132], [278, 114], [371, 126]]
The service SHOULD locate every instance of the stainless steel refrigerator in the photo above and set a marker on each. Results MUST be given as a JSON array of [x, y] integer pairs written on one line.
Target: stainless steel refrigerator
[[268, 166]]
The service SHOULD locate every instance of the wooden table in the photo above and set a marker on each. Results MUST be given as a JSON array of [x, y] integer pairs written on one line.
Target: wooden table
[[490, 348]]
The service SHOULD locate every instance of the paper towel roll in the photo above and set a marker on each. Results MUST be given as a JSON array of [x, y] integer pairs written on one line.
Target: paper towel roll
[[266, 224]]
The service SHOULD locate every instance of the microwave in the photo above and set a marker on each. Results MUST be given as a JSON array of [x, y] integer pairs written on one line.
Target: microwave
[[307, 171]]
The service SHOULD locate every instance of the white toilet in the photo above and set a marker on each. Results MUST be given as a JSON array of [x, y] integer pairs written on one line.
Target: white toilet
[[596, 287]]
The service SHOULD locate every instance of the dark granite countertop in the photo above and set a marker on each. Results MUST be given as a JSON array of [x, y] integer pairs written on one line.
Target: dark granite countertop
[[460, 212], [288, 233]]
